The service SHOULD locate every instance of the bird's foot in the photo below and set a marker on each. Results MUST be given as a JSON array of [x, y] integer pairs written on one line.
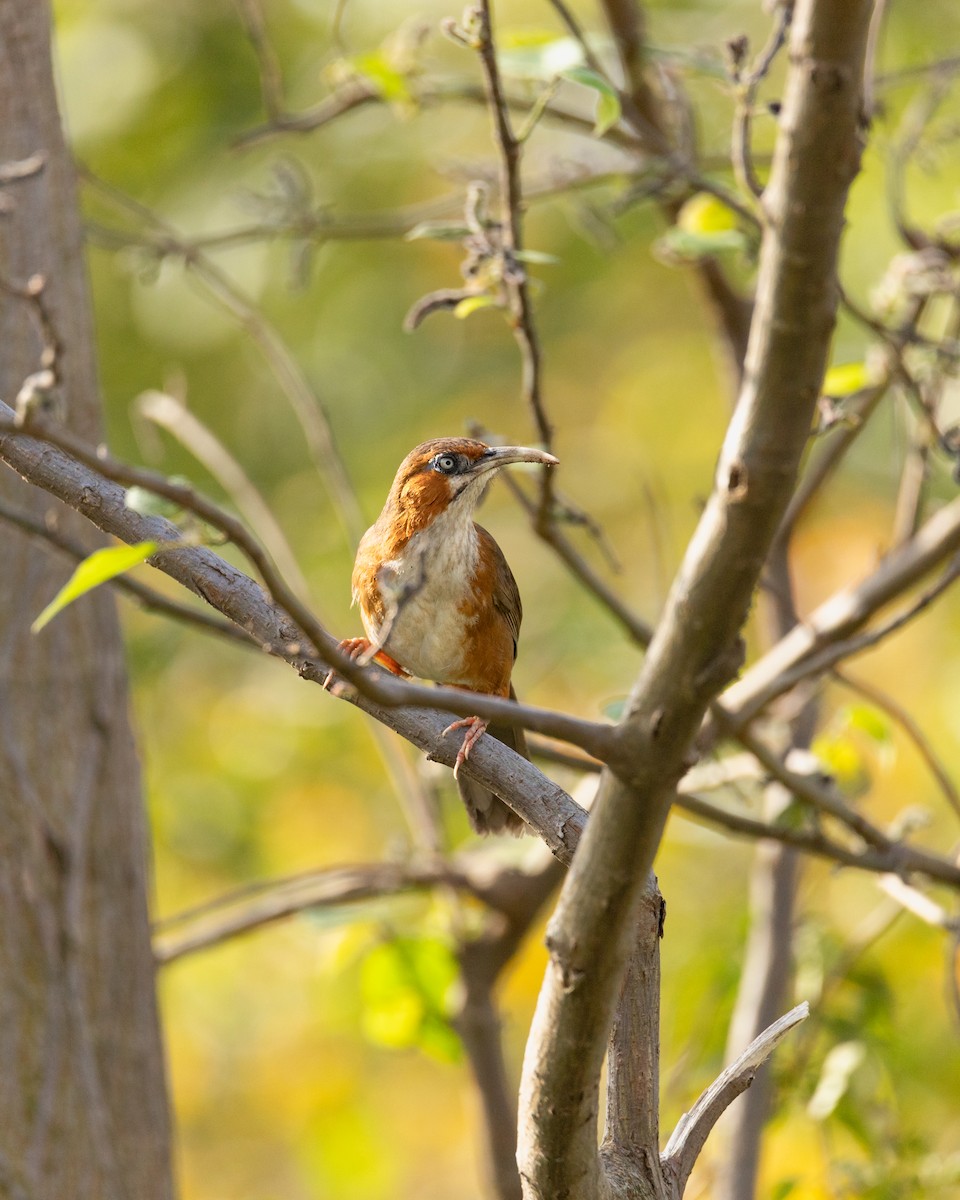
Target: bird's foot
[[353, 648], [476, 727], [360, 648]]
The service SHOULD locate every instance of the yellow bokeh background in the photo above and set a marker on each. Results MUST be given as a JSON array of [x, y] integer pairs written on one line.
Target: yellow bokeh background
[[279, 1091]]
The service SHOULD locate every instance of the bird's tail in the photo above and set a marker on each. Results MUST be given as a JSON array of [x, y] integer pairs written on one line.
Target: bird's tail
[[487, 812]]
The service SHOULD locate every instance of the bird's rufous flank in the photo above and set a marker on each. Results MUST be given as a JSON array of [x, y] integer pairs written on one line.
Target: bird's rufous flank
[[437, 597]]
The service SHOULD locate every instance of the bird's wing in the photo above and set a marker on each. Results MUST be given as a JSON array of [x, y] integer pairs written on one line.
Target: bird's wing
[[506, 594], [366, 590]]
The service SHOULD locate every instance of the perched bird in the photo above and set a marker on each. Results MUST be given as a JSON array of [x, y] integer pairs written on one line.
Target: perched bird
[[436, 596]]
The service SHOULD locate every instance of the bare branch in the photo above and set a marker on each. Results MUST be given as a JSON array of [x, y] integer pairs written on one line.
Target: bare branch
[[628, 27], [693, 1128], [519, 896], [271, 79], [748, 86], [843, 615], [515, 277], [232, 915], [918, 903], [898, 859], [101, 464]]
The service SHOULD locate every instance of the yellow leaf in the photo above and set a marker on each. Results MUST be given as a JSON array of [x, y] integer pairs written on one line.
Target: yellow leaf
[[471, 304], [99, 567], [705, 213], [846, 378]]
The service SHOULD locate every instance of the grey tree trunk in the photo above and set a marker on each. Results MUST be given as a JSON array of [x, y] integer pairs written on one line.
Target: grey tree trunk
[[83, 1106]]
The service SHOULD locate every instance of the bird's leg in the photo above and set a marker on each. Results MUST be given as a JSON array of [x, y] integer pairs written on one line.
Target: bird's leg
[[356, 648], [476, 727]]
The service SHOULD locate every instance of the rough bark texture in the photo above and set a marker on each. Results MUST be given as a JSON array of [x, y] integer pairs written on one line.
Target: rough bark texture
[[632, 1132], [83, 1110]]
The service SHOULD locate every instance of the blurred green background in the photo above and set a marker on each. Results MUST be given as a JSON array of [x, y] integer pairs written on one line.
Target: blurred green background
[[297, 1071]]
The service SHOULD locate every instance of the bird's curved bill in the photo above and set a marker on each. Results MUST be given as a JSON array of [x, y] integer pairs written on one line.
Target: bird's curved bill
[[501, 456]]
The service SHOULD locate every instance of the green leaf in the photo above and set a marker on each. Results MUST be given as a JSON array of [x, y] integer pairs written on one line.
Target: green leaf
[[837, 1071], [792, 816], [405, 986], [535, 256], [439, 231], [377, 69], [149, 504], [846, 378], [677, 245], [608, 110], [99, 567], [842, 759], [535, 54], [784, 1188], [870, 721], [472, 304]]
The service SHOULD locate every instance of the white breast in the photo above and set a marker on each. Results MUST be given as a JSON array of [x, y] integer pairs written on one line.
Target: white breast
[[425, 588]]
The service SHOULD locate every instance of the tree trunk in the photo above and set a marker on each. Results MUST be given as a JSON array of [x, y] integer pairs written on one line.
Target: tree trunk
[[83, 1108]]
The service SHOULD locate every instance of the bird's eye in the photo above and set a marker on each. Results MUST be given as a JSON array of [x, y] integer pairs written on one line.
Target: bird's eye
[[446, 464]]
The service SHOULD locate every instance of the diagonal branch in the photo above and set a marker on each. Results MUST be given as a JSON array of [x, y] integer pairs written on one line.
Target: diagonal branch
[[231, 916], [842, 616], [694, 1127]]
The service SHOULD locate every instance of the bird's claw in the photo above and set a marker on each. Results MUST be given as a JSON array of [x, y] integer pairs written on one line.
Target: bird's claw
[[476, 727], [354, 648]]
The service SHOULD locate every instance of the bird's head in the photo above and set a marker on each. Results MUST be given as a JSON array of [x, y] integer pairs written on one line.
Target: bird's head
[[452, 471]]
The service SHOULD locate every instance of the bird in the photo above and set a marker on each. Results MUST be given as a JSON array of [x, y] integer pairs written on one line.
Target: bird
[[437, 598]]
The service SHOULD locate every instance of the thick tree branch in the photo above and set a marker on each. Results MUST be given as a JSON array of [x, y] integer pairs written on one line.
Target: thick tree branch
[[694, 650], [633, 1059]]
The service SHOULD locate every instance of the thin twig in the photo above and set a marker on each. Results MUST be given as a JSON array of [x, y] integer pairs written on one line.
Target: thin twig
[[575, 30], [515, 277], [814, 841], [306, 405], [234, 914], [870, 63], [910, 727], [810, 647], [746, 98], [918, 903], [187, 497], [271, 78], [147, 597], [810, 790], [636, 628]]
